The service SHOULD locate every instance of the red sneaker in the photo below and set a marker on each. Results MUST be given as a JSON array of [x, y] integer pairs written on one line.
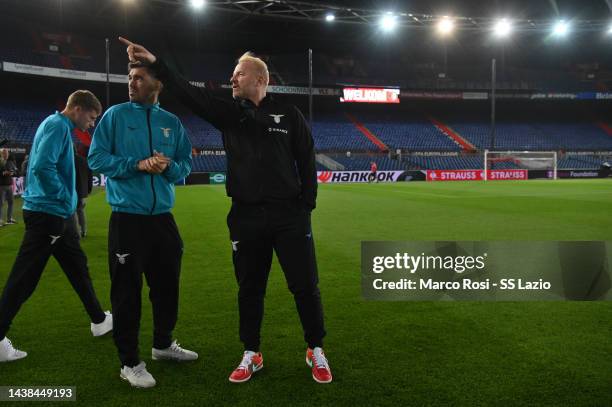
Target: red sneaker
[[315, 358], [251, 363]]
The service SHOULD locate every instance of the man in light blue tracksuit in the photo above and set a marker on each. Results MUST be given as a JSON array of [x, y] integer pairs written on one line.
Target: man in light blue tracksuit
[[143, 150], [50, 201]]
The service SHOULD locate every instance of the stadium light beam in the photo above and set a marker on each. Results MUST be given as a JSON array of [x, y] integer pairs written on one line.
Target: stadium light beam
[[388, 22], [502, 28], [330, 17], [610, 29], [445, 26], [561, 29], [197, 4]]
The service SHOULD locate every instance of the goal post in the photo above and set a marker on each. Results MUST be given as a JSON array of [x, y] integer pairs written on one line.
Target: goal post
[[526, 160]]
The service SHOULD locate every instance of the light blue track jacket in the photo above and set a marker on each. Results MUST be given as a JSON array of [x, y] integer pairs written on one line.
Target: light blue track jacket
[[130, 132], [51, 176]]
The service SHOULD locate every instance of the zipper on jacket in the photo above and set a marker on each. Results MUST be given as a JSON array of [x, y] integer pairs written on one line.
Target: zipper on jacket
[[151, 151], [260, 135]]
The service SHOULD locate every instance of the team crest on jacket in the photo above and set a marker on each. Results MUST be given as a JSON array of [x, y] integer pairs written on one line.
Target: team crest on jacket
[[121, 257], [277, 117], [166, 131]]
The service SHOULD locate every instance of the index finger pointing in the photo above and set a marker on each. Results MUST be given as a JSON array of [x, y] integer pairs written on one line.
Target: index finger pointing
[[126, 41]]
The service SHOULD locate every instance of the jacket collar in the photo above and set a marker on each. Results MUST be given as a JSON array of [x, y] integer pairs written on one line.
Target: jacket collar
[[248, 103], [141, 106], [66, 120]]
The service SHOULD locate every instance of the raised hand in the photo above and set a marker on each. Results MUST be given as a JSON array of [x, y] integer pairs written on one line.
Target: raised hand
[[138, 53]]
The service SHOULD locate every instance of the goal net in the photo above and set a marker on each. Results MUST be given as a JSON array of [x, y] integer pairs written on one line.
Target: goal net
[[521, 160]]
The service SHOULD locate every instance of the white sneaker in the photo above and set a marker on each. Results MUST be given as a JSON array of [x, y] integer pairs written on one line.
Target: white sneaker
[[174, 352], [8, 352], [103, 327], [138, 376]]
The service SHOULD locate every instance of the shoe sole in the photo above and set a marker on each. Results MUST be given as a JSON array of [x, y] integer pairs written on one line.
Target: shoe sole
[[135, 385], [97, 335], [255, 369], [106, 315], [309, 363], [320, 381], [14, 359]]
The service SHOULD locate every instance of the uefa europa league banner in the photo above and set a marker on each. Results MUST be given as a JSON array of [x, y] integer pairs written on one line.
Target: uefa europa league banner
[[486, 270]]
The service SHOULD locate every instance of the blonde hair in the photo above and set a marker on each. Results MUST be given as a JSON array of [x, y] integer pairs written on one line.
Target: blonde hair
[[260, 65]]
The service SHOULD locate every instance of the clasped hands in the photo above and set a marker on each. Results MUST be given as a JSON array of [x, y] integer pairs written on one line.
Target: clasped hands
[[155, 164]]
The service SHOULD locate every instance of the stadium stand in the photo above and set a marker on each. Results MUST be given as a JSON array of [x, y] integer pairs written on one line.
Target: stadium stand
[[201, 133], [407, 130], [334, 134], [209, 163], [580, 162], [19, 123], [536, 136]]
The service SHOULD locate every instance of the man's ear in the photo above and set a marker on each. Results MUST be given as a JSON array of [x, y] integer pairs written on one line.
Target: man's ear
[[160, 85]]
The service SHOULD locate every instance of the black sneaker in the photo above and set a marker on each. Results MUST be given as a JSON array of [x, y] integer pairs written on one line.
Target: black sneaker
[[11, 222]]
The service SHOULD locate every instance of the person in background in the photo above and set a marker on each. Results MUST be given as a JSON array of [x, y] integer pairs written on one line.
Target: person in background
[[48, 209], [24, 169], [373, 171], [8, 170], [84, 185]]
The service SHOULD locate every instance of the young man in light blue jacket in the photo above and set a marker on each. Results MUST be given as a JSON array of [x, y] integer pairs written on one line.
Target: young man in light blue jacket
[[143, 150], [50, 201]]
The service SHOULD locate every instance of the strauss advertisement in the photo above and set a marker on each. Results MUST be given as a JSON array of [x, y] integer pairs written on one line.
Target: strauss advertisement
[[330, 177], [475, 175]]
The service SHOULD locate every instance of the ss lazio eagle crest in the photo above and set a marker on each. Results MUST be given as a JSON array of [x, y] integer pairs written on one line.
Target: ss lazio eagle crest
[[121, 257], [277, 117]]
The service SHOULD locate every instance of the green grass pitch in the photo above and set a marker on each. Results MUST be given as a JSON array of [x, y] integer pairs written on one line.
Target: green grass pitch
[[400, 353]]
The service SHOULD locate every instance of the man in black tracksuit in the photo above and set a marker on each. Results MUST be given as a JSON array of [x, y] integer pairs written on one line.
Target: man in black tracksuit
[[271, 178]]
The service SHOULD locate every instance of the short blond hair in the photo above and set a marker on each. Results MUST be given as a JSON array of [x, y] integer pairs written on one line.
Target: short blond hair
[[260, 65], [85, 99]]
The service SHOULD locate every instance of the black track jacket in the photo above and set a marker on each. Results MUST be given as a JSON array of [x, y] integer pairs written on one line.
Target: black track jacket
[[269, 148]]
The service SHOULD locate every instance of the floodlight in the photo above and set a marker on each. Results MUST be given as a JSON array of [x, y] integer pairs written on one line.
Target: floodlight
[[561, 28], [197, 4], [388, 22], [502, 28], [445, 26]]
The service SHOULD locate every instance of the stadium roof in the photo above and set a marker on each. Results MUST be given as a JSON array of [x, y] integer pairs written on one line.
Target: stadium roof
[[419, 13], [290, 24], [416, 13]]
